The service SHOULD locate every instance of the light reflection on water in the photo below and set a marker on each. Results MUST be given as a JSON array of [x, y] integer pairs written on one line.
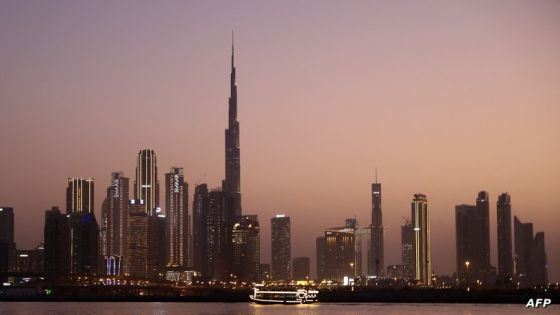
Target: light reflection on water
[[154, 308]]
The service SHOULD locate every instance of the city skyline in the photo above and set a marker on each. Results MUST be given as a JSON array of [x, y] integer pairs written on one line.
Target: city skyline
[[311, 175]]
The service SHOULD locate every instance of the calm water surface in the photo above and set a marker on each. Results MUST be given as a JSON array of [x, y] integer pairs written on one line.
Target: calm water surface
[[145, 308]]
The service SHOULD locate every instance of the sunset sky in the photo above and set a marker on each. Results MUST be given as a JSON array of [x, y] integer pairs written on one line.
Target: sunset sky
[[445, 98]]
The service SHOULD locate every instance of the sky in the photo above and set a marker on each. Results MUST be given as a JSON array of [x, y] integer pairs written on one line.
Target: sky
[[445, 98]]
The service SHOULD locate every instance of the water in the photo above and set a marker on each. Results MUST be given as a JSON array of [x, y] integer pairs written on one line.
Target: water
[[149, 308]]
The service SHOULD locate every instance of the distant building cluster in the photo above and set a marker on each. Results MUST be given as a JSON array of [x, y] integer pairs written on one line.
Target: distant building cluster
[[137, 238]]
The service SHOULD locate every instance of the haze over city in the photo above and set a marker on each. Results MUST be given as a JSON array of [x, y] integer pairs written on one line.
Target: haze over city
[[445, 99]]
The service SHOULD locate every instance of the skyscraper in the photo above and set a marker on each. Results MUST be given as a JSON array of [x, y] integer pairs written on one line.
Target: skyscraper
[[483, 208], [84, 230], [232, 182], [530, 255], [146, 184], [246, 249], [281, 247], [523, 237], [79, 195], [57, 244], [320, 258], [301, 268], [421, 223], [137, 239], [157, 246], [176, 216], [539, 265], [408, 249], [505, 260], [231, 185], [200, 227], [376, 262], [471, 264], [213, 249], [340, 253], [7, 244], [116, 207]]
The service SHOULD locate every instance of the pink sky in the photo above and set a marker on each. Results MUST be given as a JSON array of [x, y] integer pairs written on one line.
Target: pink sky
[[446, 98]]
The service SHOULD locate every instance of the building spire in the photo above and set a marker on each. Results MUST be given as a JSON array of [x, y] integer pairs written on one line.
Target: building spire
[[232, 50], [376, 175]]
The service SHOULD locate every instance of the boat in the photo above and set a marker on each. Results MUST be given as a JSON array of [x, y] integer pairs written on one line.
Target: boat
[[283, 296]]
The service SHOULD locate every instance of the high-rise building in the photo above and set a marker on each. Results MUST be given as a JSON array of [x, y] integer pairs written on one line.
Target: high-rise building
[[137, 247], [376, 262], [505, 260], [281, 247], [538, 273], [80, 195], [215, 243], [421, 223], [57, 244], [246, 249], [177, 218], [320, 258], [146, 184], [483, 209], [156, 246], [340, 253], [7, 244], [84, 230], [232, 182], [530, 255], [115, 216], [471, 265], [301, 268], [231, 185], [200, 226], [408, 250]]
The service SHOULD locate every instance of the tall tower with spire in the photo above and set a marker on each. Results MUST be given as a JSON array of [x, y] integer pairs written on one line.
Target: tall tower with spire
[[231, 190], [232, 181], [376, 261]]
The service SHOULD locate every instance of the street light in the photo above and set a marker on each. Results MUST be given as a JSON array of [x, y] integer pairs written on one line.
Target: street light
[[467, 263]]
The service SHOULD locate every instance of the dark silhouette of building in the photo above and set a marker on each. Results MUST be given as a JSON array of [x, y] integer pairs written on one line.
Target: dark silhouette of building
[[472, 241], [538, 273], [530, 255], [201, 203], [7, 244], [137, 247], [505, 260], [301, 268], [340, 252], [157, 246], [231, 185], [177, 218], [320, 258], [246, 249], [57, 244], [421, 223], [376, 264], [408, 250], [483, 207], [115, 218], [84, 230], [281, 247], [146, 184], [30, 260], [214, 247]]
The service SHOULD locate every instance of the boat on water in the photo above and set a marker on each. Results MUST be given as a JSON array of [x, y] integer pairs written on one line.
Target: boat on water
[[285, 296]]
